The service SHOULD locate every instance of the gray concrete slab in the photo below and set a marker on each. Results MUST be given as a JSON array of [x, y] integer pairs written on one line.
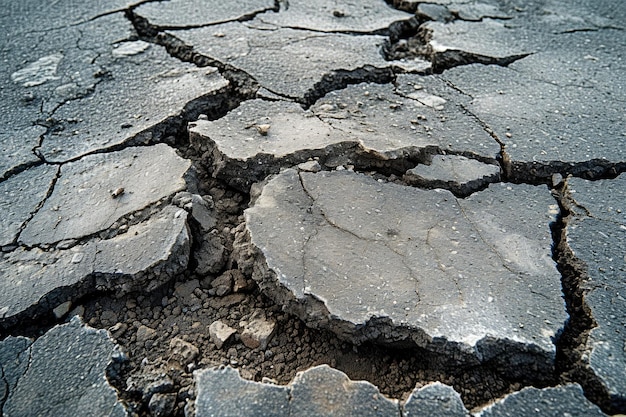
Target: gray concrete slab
[[336, 16], [364, 124], [567, 400], [322, 391], [347, 253], [222, 392], [435, 400], [597, 237], [318, 391], [553, 104], [189, 13], [92, 123], [84, 199], [147, 255], [49, 61], [60, 374], [287, 61]]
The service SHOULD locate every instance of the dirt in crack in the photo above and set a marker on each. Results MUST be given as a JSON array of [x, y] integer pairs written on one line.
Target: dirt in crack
[[150, 328]]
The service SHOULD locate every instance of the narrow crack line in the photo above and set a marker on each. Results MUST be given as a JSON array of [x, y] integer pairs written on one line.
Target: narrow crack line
[[503, 158], [325, 217], [377, 32], [129, 219], [49, 192], [590, 29], [243, 18]]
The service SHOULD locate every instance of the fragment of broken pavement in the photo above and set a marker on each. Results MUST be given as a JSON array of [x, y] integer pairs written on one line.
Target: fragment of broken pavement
[[61, 373]]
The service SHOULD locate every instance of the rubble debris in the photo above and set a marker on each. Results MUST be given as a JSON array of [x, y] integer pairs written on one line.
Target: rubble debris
[[220, 333], [257, 331]]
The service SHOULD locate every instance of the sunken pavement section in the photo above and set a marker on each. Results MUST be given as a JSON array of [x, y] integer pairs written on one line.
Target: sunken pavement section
[[437, 179]]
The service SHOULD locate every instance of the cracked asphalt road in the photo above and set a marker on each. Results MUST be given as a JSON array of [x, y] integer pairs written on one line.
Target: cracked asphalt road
[[313, 208]]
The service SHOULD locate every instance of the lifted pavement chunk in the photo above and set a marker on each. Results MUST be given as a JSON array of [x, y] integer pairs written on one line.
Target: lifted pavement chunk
[[146, 256], [348, 253], [318, 391], [456, 173], [367, 125]]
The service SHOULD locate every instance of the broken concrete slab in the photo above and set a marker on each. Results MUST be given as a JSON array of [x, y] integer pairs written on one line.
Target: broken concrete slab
[[491, 41], [322, 391], [547, 108], [296, 63], [367, 125], [435, 400], [318, 391], [346, 252], [91, 123], [456, 173], [63, 370], [596, 234], [20, 196], [222, 392], [146, 256], [59, 69], [194, 13], [567, 400], [97, 190], [335, 16]]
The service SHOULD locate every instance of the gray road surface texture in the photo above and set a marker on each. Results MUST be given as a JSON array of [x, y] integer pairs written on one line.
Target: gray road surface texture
[[436, 181]]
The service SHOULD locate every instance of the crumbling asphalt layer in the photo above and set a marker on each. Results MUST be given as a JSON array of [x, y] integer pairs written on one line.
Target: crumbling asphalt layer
[[144, 145]]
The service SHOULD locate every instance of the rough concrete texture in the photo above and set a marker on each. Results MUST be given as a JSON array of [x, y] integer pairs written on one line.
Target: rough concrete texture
[[20, 197], [145, 256], [319, 391], [187, 14], [550, 402], [346, 252], [222, 392], [83, 126], [436, 400], [596, 233], [78, 355]]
